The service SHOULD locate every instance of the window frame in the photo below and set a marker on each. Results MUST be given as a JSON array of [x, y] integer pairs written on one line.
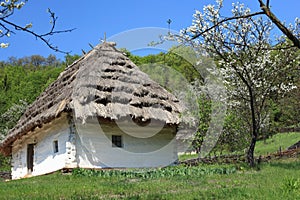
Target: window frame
[[55, 146], [117, 141]]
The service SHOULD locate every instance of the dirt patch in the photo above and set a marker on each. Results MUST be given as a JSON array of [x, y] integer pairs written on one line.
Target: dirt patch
[[293, 153]]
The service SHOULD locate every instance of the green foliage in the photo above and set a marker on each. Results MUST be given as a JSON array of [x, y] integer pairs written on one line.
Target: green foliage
[[286, 110], [11, 116], [19, 86], [235, 136], [24, 83], [179, 59], [178, 171], [4, 164], [69, 59], [204, 120]]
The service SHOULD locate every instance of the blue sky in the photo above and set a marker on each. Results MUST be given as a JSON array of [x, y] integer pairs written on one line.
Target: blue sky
[[94, 18]]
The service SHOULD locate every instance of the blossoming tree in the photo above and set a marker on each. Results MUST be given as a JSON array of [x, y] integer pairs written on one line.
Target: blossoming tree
[[254, 69]]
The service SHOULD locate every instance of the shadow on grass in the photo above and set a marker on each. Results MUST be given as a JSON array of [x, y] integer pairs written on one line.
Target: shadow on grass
[[288, 165]]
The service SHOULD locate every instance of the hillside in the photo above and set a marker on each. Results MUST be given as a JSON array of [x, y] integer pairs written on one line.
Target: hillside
[[280, 141]]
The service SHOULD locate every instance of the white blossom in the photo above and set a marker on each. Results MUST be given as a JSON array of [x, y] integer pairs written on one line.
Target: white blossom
[[4, 45]]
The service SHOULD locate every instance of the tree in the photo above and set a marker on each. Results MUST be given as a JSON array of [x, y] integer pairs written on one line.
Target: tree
[[51, 60], [37, 60], [234, 136], [69, 59], [9, 119], [7, 27], [254, 70], [293, 33], [204, 118]]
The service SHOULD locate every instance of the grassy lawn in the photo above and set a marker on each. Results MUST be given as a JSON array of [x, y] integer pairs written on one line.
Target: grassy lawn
[[276, 180], [271, 145], [187, 156]]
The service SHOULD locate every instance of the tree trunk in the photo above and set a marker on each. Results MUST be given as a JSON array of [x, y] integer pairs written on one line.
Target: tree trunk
[[255, 129], [250, 153]]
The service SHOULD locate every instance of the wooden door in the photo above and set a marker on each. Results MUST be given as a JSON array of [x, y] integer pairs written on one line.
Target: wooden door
[[30, 155]]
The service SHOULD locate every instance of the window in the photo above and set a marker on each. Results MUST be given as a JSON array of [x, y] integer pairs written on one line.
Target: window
[[117, 141], [55, 146]]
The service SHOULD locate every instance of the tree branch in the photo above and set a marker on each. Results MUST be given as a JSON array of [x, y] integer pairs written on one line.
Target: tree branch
[[42, 37], [268, 3], [266, 10], [225, 20]]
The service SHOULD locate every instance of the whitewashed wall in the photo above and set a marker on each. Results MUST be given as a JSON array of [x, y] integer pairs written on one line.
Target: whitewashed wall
[[19, 165], [44, 160], [90, 146], [94, 148]]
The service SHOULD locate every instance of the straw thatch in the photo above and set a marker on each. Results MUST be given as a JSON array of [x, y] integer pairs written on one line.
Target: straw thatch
[[102, 83]]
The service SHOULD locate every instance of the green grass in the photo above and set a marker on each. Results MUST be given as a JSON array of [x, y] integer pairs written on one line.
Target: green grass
[[275, 180], [187, 156], [271, 145]]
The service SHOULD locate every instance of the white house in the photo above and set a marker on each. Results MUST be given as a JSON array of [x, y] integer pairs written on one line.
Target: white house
[[101, 112]]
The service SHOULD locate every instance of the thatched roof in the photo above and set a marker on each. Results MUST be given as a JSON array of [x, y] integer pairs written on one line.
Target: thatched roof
[[102, 83]]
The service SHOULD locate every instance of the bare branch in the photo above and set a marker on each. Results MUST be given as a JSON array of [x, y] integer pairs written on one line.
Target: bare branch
[[8, 25], [41, 37], [6, 30], [268, 3]]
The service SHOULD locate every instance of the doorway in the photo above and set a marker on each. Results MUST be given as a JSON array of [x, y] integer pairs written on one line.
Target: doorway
[[30, 155]]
